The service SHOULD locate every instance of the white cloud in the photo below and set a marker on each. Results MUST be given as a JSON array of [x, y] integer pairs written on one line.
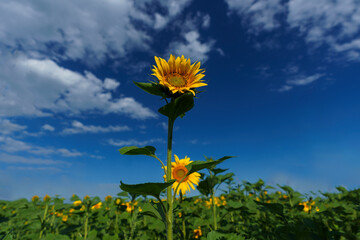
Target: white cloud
[[164, 125], [39, 87], [133, 142], [48, 127], [220, 51], [46, 169], [160, 21], [206, 21], [175, 6], [13, 159], [8, 127], [299, 80], [79, 30], [303, 80], [85, 30], [261, 13], [192, 47], [11, 145], [334, 23], [78, 127], [285, 88], [111, 84]]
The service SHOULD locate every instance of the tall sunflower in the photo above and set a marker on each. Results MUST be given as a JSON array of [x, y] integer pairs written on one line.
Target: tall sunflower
[[178, 171], [179, 75]]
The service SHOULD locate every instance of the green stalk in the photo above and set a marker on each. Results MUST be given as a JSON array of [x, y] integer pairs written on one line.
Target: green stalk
[[184, 227], [169, 213], [86, 223], [214, 209], [43, 227], [183, 217]]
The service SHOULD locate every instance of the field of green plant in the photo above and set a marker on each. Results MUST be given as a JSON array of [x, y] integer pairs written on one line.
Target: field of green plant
[[245, 211]]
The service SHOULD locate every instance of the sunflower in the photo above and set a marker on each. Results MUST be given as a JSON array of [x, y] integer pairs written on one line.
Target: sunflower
[[178, 171], [179, 75]]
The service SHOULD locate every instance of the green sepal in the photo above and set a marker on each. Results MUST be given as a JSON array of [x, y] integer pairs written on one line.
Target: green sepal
[[178, 106], [132, 150], [152, 189], [199, 165], [152, 88]]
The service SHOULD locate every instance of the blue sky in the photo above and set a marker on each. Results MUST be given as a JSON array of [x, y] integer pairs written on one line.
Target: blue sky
[[282, 94]]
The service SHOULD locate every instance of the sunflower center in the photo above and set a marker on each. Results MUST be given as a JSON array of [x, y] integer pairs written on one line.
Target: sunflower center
[[179, 172], [177, 80]]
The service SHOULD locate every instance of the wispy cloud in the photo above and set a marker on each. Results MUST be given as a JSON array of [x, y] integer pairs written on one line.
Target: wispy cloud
[[8, 127], [78, 127], [299, 80], [335, 24], [285, 88], [304, 80], [85, 30], [192, 47], [11, 145], [262, 14], [48, 127], [192, 44], [47, 169], [14, 159], [133, 142]]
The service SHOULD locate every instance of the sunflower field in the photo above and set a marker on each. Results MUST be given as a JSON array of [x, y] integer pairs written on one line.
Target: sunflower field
[[242, 211]]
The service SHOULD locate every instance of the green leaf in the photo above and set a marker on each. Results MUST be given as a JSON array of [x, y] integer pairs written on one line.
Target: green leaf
[[218, 170], [152, 189], [272, 207], [341, 189], [213, 235], [178, 106], [206, 186], [287, 189], [152, 88], [123, 194], [223, 178], [149, 210], [155, 209], [199, 165], [236, 206], [132, 150]]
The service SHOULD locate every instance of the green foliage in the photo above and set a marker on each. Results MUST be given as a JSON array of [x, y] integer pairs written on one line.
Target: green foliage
[[196, 166], [152, 189], [245, 211], [152, 88], [178, 106], [132, 150]]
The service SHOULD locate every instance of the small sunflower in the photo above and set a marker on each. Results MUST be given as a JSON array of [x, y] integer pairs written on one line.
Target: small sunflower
[[197, 233], [179, 75], [178, 171]]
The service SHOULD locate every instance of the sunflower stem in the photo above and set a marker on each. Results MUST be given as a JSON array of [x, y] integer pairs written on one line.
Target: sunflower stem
[[177, 187], [169, 214], [214, 209], [162, 164]]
